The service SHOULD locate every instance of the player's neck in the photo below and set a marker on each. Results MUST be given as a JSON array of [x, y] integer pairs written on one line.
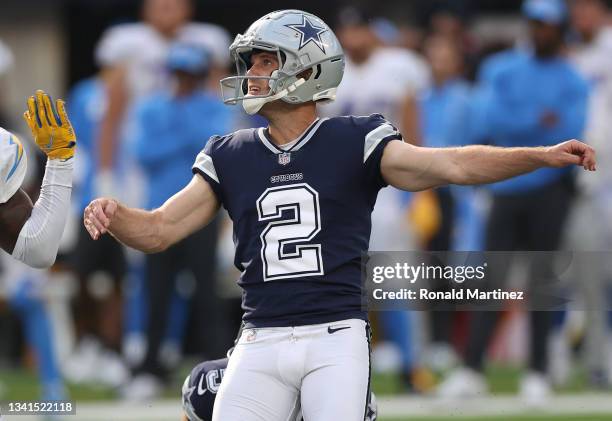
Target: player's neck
[[287, 125]]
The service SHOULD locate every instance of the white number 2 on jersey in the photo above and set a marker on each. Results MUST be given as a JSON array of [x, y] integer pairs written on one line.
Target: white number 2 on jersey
[[295, 218]]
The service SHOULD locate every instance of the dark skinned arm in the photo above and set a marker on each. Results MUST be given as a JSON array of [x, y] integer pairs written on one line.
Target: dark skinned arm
[[13, 215]]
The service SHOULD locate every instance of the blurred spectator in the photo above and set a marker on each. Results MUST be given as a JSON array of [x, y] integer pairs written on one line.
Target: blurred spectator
[[386, 80], [171, 131], [536, 98], [23, 288], [444, 109], [132, 60], [591, 51], [6, 62], [410, 37], [97, 304], [450, 25], [132, 57], [378, 78]]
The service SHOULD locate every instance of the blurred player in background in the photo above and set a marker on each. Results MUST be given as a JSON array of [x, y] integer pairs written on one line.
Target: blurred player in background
[[387, 80], [132, 58], [6, 63], [591, 51], [300, 194], [170, 131], [536, 97], [444, 119], [95, 306], [32, 232]]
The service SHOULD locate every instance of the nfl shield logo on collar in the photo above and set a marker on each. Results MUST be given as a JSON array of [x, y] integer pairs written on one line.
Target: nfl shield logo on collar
[[284, 158]]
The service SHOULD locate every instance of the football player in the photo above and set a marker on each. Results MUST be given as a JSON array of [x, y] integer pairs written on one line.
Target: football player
[[202, 384], [300, 193], [31, 233]]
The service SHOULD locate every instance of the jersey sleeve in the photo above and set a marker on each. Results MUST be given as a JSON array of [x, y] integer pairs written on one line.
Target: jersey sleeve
[[378, 132], [204, 165]]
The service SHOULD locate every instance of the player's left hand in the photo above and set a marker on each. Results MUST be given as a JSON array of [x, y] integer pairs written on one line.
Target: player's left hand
[[572, 152], [50, 126]]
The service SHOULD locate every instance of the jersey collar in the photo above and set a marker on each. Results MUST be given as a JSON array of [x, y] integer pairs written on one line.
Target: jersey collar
[[300, 141]]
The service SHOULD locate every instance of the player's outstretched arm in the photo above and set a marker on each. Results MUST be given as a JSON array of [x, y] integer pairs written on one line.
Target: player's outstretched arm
[[41, 231], [153, 231], [413, 168]]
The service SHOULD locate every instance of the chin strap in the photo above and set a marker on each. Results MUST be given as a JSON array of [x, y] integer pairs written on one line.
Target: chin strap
[[253, 104]]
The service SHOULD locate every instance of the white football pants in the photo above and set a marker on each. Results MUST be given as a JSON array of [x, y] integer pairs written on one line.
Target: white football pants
[[324, 370]]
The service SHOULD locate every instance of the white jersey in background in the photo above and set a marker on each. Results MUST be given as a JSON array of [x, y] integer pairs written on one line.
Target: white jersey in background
[[594, 61], [143, 50], [381, 85], [6, 58]]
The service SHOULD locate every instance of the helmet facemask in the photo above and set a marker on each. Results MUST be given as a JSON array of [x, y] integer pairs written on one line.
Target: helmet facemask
[[281, 83], [308, 70]]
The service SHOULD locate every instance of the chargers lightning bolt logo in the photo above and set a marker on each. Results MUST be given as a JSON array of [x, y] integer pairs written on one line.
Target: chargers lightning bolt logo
[[309, 32], [17, 143]]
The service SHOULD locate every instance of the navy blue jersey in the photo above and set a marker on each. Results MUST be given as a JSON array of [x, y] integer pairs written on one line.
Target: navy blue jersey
[[302, 216], [200, 389]]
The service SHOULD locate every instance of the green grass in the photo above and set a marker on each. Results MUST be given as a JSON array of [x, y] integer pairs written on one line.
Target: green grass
[[502, 380], [23, 385]]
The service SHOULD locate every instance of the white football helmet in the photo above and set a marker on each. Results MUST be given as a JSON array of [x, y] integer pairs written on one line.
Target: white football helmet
[[301, 42], [13, 165]]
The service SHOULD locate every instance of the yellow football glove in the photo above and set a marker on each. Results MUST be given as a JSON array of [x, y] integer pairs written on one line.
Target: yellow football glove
[[51, 129]]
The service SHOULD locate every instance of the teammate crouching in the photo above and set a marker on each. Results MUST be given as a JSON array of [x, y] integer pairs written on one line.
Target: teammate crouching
[[202, 384]]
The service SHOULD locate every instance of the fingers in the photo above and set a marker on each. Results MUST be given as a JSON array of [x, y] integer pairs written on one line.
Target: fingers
[[110, 209], [40, 108], [28, 119], [95, 220], [91, 230], [32, 110], [49, 111], [63, 115], [101, 218], [589, 161], [586, 154]]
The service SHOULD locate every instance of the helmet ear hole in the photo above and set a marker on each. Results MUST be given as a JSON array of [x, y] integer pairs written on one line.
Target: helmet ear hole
[[306, 74]]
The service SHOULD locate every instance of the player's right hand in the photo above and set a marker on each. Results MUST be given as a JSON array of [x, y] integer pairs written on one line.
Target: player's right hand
[[98, 216], [50, 126]]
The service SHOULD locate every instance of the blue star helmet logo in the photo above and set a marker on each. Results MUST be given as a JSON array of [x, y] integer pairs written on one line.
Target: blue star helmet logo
[[309, 32]]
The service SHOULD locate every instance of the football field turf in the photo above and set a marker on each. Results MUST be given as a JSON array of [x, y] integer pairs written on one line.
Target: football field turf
[[572, 404]]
